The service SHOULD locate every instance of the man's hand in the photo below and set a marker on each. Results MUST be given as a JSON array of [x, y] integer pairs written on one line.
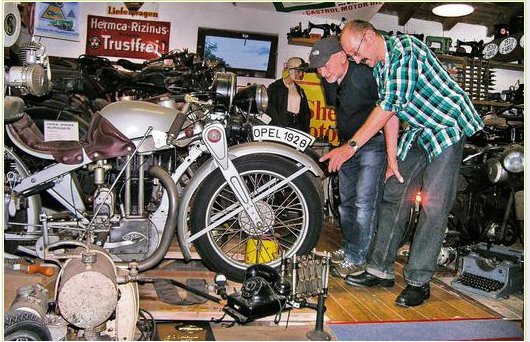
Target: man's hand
[[392, 170], [337, 157]]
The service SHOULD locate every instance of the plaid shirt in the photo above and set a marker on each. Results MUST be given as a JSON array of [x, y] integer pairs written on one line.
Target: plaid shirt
[[413, 84]]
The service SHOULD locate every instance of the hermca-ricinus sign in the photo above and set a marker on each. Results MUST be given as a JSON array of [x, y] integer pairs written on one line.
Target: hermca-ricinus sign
[[128, 38]]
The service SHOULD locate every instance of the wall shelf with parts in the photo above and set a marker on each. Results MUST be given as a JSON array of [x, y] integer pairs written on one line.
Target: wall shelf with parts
[[493, 64], [301, 41]]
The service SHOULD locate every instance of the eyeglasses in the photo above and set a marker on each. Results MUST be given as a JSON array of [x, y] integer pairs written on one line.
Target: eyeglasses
[[356, 53]]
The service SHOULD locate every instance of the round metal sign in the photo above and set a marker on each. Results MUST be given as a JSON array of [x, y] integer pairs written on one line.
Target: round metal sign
[[490, 50], [507, 45]]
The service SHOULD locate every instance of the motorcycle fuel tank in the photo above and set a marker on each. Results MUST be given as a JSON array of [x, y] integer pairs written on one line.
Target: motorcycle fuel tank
[[132, 118]]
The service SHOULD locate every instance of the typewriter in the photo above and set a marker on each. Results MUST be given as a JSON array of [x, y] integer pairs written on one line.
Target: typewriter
[[491, 271]]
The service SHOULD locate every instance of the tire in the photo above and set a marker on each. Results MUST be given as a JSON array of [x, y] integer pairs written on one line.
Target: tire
[[24, 326], [334, 195], [296, 227], [31, 206]]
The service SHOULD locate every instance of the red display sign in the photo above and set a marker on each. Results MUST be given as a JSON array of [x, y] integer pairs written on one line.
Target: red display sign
[[129, 38]]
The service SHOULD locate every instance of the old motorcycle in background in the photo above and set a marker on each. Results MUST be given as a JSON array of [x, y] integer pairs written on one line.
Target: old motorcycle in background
[[490, 201]]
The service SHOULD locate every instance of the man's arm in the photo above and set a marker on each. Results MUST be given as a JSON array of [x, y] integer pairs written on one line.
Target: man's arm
[[373, 124], [391, 137]]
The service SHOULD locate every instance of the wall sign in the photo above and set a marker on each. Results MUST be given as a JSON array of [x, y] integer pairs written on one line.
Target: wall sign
[[57, 20], [323, 118], [332, 10], [145, 10], [129, 38]]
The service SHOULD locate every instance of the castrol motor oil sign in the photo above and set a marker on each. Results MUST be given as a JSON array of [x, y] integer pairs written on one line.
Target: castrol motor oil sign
[[128, 38]]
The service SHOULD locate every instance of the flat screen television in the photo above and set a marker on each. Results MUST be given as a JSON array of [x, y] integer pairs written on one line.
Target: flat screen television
[[244, 53]]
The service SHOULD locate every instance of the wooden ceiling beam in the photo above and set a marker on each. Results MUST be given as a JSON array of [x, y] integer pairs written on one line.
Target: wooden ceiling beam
[[408, 12], [449, 23]]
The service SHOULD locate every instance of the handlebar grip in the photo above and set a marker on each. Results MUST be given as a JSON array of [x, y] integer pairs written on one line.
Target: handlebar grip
[[177, 124]]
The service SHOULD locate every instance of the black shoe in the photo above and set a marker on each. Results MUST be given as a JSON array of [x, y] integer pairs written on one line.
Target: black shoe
[[367, 279], [414, 295]]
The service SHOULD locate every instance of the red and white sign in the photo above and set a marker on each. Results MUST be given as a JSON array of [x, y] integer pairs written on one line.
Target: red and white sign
[[129, 38]]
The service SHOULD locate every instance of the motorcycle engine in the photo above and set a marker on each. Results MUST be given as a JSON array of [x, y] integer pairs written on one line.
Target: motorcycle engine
[[34, 76]]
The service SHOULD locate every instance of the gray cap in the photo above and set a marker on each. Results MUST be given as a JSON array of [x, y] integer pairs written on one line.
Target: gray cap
[[322, 50]]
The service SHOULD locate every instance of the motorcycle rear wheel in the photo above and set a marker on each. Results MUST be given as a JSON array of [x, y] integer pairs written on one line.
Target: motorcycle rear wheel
[[293, 216]]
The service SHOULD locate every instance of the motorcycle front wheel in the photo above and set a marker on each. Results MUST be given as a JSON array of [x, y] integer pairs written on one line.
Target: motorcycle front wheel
[[292, 217]]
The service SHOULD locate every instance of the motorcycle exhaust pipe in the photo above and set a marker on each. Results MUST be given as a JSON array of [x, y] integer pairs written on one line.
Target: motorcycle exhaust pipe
[[171, 222]]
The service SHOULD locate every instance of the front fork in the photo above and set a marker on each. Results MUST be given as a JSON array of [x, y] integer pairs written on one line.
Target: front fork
[[214, 137]]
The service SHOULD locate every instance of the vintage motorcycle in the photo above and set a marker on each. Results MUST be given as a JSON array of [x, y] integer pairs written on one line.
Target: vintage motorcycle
[[147, 170], [489, 203]]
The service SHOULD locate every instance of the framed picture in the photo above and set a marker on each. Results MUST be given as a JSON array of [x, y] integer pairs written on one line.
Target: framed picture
[[57, 20]]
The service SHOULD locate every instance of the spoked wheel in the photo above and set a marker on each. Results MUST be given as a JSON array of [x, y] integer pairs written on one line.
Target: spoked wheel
[[292, 216], [21, 215]]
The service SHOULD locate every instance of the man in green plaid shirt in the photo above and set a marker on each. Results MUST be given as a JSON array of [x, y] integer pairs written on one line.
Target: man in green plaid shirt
[[413, 87]]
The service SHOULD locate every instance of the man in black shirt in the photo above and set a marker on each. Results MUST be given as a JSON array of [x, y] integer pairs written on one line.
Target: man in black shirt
[[352, 89]]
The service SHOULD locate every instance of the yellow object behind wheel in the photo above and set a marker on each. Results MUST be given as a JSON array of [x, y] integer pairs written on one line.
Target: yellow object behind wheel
[[262, 250]]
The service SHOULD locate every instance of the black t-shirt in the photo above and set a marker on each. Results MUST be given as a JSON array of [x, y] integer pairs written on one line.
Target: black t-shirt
[[354, 99]]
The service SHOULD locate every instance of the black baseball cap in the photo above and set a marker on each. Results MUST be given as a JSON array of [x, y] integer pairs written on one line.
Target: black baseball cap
[[322, 51]]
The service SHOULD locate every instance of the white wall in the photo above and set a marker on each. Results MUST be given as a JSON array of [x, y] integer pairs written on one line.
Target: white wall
[[185, 18]]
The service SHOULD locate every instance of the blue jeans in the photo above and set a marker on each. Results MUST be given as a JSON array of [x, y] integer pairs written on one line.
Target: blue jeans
[[360, 185], [438, 182]]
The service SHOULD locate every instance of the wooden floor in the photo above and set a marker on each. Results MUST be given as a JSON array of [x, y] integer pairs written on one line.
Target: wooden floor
[[344, 304], [359, 304]]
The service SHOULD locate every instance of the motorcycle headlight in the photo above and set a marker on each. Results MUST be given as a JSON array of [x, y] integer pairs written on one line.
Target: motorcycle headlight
[[253, 98], [513, 159], [496, 173], [224, 86]]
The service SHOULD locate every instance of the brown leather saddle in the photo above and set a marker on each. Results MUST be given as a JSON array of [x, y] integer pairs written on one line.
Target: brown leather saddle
[[102, 141]]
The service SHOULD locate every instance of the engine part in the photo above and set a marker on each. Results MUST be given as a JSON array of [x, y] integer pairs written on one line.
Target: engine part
[[31, 79], [88, 294], [33, 299], [127, 312], [135, 238]]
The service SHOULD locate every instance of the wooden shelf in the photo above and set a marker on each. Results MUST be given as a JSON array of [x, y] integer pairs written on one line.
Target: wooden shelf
[[303, 41], [493, 64], [492, 103]]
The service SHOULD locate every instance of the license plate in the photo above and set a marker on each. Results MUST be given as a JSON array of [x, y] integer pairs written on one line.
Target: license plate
[[289, 136]]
